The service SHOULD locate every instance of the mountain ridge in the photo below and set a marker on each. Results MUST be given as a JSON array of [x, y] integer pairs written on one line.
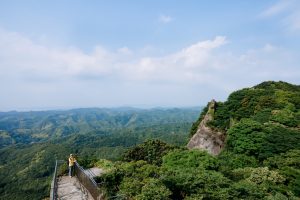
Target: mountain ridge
[[269, 102]]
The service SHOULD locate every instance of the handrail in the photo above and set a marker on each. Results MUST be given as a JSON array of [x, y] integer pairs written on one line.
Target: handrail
[[53, 190], [88, 182], [54, 184]]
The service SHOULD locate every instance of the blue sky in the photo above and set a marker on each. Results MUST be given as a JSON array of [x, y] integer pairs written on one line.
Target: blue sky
[[66, 54]]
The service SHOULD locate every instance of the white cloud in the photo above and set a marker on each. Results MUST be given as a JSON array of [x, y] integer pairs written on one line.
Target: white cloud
[[37, 73], [288, 12], [277, 8], [27, 59], [176, 67], [165, 19]]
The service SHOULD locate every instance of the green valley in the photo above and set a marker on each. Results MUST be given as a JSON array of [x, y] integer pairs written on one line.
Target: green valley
[[144, 152], [27, 162]]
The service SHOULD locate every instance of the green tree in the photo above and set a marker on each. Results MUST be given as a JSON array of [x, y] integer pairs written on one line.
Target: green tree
[[154, 189], [246, 137], [150, 151]]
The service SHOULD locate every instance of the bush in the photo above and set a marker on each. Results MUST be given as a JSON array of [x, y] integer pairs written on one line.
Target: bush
[[150, 151], [154, 189]]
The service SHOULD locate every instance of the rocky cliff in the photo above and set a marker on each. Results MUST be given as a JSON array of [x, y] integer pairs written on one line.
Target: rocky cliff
[[206, 138]]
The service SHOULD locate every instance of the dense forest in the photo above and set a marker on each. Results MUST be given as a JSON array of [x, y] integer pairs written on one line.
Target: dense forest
[[260, 160], [144, 152], [31, 141], [31, 127]]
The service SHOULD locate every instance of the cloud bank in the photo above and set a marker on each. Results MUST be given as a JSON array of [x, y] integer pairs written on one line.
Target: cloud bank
[[31, 73]]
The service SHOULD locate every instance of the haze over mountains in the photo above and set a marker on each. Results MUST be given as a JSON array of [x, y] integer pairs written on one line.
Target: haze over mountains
[[28, 127], [123, 86], [259, 158], [108, 54]]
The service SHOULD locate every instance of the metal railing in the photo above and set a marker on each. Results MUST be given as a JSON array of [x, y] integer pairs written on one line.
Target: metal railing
[[85, 179], [88, 182], [53, 190]]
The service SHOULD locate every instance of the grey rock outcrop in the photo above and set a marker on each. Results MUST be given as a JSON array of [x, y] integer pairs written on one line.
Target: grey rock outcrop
[[206, 138]]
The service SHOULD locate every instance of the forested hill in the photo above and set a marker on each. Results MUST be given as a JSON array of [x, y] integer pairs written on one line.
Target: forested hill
[[277, 102], [268, 112], [28, 127], [31, 141], [260, 158]]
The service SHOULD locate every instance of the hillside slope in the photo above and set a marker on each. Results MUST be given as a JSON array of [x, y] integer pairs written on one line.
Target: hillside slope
[[259, 159], [205, 137], [270, 111], [41, 126], [26, 169]]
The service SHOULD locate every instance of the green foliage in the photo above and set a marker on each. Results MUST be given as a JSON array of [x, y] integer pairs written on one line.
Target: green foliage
[[26, 170], [280, 85], [191, 172], [256, 183], [130, 187], [28, 127], [288, 165], [195, 125], [186, 182], [128, 179], [151, 151], [259, 175], [285, 116], [246, 137], [63, 169], [261, 159], [279, 139], [104, 164], [189, 159], [262, 141], [229, 161], [154, 189], [246, 190], [268, 101], [91, 134], [194, 174], [221, 117]]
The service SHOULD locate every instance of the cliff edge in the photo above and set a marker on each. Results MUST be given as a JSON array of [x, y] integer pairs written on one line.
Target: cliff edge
[[205, 137]]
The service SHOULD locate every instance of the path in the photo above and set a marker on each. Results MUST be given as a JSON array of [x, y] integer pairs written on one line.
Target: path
[[71, 189]]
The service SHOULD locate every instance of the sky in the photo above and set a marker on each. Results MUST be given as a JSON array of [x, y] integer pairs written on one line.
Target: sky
[[143, 53]]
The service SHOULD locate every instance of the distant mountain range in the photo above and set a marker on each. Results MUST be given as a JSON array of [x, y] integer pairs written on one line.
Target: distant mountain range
[[28, 127], [31, 141]]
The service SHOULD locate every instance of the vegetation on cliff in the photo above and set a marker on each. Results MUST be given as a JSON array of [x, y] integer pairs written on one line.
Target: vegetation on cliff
[[260, 159]]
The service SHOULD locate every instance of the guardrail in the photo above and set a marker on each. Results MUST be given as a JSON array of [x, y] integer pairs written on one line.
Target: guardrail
[[88, 182], [53, 190], [84, 178]]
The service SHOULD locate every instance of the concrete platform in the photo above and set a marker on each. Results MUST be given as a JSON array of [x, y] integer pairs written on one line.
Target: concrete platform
[[71, 189]]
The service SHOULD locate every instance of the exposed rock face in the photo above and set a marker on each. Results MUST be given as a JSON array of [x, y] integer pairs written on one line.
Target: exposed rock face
[[206, 138]]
